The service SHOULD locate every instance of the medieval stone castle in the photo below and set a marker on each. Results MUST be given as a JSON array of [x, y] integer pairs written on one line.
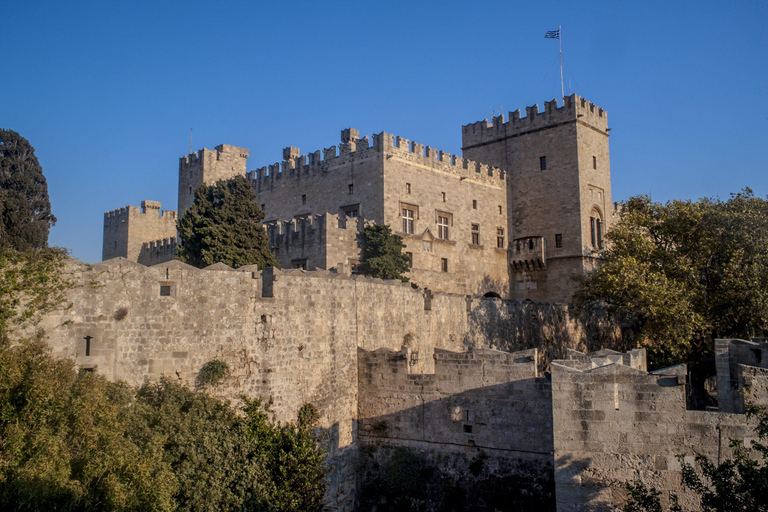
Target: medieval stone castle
[[500, 403], [520, 212]]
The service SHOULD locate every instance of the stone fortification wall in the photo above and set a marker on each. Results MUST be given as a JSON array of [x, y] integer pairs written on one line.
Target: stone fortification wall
[[128, 229], [157, 251], [479, 426], [316, 242], [616, 424], [741, 373], [206, 167]]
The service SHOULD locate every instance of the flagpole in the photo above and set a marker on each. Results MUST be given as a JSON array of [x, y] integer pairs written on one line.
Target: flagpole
[[560, 41]]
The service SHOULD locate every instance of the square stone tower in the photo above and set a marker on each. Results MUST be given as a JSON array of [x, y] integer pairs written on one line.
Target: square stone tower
[[558, 191], [207, 167]]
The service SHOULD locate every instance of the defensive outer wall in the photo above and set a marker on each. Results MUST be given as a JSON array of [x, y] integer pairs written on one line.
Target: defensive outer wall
[[389, 369]]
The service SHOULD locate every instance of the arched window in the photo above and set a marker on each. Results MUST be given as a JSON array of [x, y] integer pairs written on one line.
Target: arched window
[[596, 228]]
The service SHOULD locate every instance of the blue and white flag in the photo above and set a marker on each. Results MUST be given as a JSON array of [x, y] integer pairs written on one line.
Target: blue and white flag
[[552, 34]]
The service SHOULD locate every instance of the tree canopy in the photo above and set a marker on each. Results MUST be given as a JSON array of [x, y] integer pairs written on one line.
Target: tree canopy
[[25, 210], [685, 272], [223, 225], [75, 441], [383, 255]]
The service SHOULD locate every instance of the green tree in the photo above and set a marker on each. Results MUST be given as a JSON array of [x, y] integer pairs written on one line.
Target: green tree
[[25, 210], [294, 462], [383, 255], [207, 446], [223, 225], [684, 273], [65, 439]]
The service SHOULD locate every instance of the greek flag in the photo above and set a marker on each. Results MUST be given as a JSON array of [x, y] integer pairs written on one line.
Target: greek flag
[[552, 34]]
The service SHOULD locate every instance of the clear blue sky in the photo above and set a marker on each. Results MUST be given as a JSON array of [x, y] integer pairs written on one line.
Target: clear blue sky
[[107, 92]]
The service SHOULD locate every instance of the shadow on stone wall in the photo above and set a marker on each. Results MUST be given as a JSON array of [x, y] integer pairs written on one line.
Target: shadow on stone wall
[[512, 325], [398, 478], [484, 449]]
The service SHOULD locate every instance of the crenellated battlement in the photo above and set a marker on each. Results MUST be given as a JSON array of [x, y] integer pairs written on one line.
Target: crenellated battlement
[[220, 152], [384, 145], [157, 251], [574, 109], [148, 208]]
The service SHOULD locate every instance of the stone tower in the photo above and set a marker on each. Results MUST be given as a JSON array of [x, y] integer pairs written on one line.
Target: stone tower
[[558, 191], [146, 234], [207, 167]]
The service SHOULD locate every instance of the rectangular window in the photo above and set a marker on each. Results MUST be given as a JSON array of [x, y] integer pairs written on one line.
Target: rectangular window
[[407, 221], [303, 199], [474, 204], [407, 188], [500, 238], [442, 196], [444, 263], [442, 227], [351, 188], [559, 241], [599, 229], [190, 190], [302, 264], [594, 162], [475, 234], [592, 233], [263, 206], [500, 210], [543, 163], [165, 291], [351, 211], [409, 256]]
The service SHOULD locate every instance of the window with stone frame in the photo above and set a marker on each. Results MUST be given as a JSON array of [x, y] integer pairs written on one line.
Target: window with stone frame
[[500, 238], [444, 264], [442, 227], [300, 263], [596, 229], [543, 163], [475, 234], [408, 215], [559, 240]]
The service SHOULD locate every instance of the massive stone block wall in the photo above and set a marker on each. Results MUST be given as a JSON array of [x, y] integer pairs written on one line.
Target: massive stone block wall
[[129, 229], [317, 242], [483, 416], [615, 424], [742, 373], [551, 203]]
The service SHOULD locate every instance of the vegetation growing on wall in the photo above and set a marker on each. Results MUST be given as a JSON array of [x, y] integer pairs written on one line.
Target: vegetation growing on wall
[[213, 372], [223, 226], [31, 284], [383, 255]]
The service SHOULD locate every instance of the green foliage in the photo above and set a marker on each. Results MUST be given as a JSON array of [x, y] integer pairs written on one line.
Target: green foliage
[[207, 446], [213, 372], [75, 441], [684, 272], [25, 210], [223, 226], [294, 462], [645, 499], [383, 255], [66, 439], [30, 285]]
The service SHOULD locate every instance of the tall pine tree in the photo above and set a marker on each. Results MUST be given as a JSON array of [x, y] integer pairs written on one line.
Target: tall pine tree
[[25, 210], [222, 226]]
